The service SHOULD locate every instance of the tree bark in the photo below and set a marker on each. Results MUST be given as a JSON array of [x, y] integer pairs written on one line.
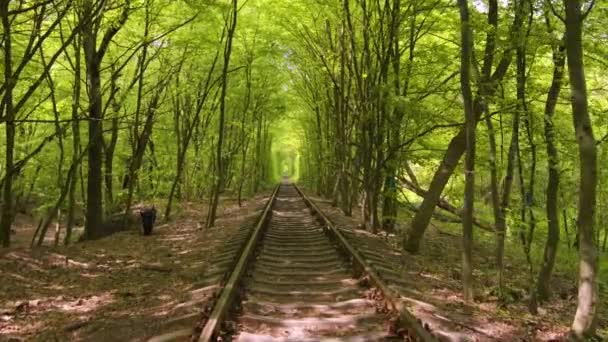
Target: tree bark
[[6, 218], [469, 167], [219, 172], [422, 218], [143, 142], [389, 209], [76, 149], [605, 243], [93, 57], [54, 212], [109, 149], [258, 155], [527, 193], [243, 135], [585, 319], [499, 207], [94, 179], [552, 191]]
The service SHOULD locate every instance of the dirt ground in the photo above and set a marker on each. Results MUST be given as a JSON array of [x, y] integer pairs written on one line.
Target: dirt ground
[[124, 287], [129, 287], [435, 293]]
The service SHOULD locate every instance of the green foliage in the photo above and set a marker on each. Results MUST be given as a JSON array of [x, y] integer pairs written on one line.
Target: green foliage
[[309, 96]]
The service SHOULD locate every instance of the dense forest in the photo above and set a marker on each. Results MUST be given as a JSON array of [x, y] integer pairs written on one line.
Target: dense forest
[[488, 114]]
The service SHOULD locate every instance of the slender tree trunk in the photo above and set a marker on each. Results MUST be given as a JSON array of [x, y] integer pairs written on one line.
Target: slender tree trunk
[[76, 149], [565, 219], [335, 194], [389, 208], [605, 239], [471, 121], [179, 173], [499, 218], [59, 132], [219, 176], [140, 86], [389, 205], [585, 319], [181, 150], [109, 149], [346, 184], [143, 142], [244, 137], [54, 212], [552, 191], [241, 180], [140, 140], [500, 201], [527, 193], [6, 217], [57, 228], [258, 154]]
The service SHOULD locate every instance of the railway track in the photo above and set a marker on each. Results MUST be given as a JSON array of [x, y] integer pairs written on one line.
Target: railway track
[[298, 279]]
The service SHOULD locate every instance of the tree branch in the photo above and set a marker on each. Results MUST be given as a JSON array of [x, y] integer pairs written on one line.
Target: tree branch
[[113, 30], [445, 205]]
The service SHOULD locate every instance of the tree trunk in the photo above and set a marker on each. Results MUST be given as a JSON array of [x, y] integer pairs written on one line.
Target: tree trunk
[[552, 210], [142, 60], [6, 218], [527, 193], [499, 214], [59, 132], [241, 181], [320, 184], [422, 218], [565, 219], [471, 122], [219, 176], [585, 319], [500, 202], [605, 239], [94, 210], [142, 143], [109, 166], [54, 212], [389, 205], [244, 136], [258, 155], [76, 149], [182, 148], [93, 56]]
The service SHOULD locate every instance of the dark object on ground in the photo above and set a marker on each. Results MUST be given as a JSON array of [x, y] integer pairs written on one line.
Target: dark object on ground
[[148, 216], [13, 231]]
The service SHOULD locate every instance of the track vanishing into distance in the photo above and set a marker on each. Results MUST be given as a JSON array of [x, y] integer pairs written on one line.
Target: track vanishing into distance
[[298, 279]]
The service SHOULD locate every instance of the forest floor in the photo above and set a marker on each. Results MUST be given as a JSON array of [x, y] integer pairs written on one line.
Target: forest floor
[[435, 295], [125, 287], [128, 287]]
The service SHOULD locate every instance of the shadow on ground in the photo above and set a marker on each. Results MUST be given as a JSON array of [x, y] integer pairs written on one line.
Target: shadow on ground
[[124, 287]]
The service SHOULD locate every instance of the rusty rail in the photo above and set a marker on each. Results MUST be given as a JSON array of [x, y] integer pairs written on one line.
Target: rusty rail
[[394, 303], [229, 291]]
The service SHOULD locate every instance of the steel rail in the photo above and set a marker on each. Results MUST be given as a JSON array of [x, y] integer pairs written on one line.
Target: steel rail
[[406, 319], [229, 291]]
